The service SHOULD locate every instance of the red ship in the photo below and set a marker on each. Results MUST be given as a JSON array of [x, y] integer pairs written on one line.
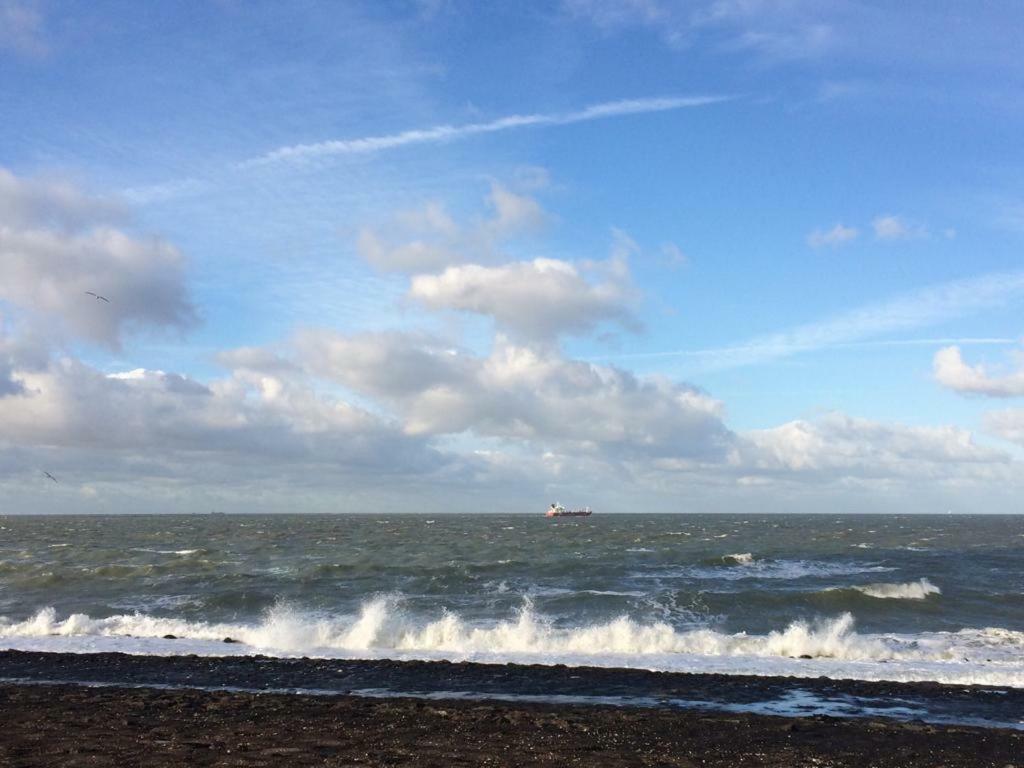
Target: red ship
[[557, 510]]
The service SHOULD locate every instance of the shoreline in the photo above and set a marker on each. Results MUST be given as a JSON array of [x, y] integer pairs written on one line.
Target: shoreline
[[941, 704], [72, 726]]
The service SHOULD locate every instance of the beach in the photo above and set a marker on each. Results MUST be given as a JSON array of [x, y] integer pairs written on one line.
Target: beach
[[256, 711], [410, 640], [82, 726]]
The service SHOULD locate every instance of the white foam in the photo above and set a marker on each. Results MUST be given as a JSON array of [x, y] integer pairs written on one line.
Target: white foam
[[381, 629], [169, 551], [911, 590], [743, 558]]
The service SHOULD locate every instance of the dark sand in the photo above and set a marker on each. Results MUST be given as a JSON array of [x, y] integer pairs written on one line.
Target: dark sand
[[45, 721], [80, 726]]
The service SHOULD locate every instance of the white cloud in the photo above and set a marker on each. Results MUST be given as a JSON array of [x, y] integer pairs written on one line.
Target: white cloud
[[534, 300], [352, 414], [518, 418], [660, 433], [53, 204], [145, 422], [838, 235], [838, 446], [889, 227], [522, 394], [951, 371], [57, 244], [427, 238], [447, 133], [1007, 424]]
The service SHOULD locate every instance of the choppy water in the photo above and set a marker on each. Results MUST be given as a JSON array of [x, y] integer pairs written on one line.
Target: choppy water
[[899, 598]]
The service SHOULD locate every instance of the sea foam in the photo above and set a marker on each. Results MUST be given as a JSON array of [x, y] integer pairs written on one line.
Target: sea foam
[[743, 558], [911, 590], [382, 629]]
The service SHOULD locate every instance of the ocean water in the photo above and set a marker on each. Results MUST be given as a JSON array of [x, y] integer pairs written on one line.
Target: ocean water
[[865, 597]]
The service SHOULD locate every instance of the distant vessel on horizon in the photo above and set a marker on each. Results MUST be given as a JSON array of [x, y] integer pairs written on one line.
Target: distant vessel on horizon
[[557, 510]]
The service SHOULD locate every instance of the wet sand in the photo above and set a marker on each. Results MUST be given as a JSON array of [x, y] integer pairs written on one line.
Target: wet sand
[[147, 711], [80, 726]]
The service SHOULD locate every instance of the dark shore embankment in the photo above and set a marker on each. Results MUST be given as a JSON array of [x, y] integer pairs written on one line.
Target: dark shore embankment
[[933, 702], [146, 712], [80, 726]]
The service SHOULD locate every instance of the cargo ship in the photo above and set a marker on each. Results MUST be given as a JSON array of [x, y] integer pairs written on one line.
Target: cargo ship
[[557, 510]]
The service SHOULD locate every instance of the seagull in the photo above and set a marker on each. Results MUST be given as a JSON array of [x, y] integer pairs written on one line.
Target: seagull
[[50, 476], [98, 297]]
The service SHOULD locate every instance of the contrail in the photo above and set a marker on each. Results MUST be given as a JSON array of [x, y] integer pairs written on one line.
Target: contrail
[[446, 133]]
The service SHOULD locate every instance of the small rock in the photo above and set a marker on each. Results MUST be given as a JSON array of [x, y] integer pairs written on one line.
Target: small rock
[[230, 640], [806, 656], [170, 637]]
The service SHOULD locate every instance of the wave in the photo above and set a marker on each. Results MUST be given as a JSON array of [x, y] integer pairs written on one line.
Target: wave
[[724, 568], [911, 590], [743, 558], [382, 629]]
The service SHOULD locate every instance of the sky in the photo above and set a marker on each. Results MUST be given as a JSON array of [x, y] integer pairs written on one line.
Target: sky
[[741, 256]]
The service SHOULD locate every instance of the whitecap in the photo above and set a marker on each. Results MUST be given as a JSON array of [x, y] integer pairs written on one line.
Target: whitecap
[[911, 590], [742, 558], [383, 629]]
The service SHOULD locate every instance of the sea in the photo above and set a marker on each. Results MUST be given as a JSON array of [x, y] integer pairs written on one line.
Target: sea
[[898, 598]]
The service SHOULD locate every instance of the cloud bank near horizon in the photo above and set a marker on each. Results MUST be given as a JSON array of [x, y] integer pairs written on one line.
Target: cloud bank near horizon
[[369, 414]]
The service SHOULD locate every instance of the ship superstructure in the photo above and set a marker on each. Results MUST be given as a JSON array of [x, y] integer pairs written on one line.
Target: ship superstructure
[[557, 510]]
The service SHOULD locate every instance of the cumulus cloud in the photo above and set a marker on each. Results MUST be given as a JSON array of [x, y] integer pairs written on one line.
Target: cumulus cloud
[[521, 415], [53, 203], [1007, 424], [428, 238], [953, 372], [838, 446], [9, 385], [576, 420], [889, 227], [838, 235], [343, 411], [520, 393], [534, 300], [181, 425], [57, 243]]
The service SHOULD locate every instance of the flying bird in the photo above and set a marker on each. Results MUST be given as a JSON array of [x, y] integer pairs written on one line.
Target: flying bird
[[50, 476], [98, 297]]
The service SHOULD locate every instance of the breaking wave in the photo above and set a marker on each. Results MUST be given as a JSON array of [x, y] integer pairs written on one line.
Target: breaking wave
[[911, 590], [382, 629], [743, 558]]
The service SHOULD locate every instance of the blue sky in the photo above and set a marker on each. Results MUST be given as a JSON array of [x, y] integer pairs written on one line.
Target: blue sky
[[792, 207]]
